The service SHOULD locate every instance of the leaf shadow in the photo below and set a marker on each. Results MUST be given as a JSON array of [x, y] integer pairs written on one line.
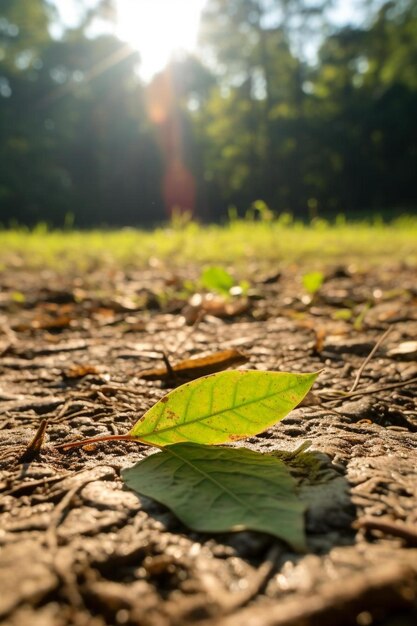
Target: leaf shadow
[[325, 490], [330, 512]]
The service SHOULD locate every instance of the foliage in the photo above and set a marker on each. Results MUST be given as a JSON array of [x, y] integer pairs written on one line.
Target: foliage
[[222, 407], [220, 489], [73, 124], [253, 118], [311, 137], [312, 281], [216, 278], [214, 489], [277, 241]]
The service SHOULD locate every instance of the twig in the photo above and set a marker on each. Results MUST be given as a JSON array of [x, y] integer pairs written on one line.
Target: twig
[[115, 388], [35, 445], [50, 537], [60, 510], [368, 358], [50, 540], [170, 370], [389, 527], [342, 395], [31, 485]]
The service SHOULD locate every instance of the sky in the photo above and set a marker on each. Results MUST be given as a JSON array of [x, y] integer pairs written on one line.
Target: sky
[[156, 28], [159, 28]]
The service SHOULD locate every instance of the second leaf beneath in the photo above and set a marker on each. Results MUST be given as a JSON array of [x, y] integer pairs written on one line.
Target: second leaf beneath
[[215, 489]]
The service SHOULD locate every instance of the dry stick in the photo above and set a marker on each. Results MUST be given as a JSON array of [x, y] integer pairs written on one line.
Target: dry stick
[[389, 527], [366, 392], [81, 412], [170, 370], [81, 406], [63, 409], [368, 358], [171, 373], [124, 388], [78, 399], [59, 512], [35, 445], [50, 540], [14, 491]]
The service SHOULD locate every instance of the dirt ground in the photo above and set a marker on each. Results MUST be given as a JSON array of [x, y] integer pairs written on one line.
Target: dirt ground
[[78, 548]]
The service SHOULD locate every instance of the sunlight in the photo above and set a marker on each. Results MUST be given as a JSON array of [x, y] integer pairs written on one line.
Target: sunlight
[[158, 29]]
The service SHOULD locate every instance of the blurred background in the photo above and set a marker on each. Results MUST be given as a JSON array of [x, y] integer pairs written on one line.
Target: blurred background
[[127, 112]]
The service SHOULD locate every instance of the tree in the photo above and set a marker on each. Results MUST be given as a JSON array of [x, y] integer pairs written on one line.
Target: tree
[[363, 97], [73, 126], [252, 45], [336, 135]]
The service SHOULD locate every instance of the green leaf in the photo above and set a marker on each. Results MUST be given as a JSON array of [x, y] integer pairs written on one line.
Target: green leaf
[[215, 489], [222, 407], [313, 281], [217, 279]]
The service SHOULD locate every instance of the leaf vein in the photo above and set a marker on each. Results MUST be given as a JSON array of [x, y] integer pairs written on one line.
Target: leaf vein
[[220, 411], [211, 479]]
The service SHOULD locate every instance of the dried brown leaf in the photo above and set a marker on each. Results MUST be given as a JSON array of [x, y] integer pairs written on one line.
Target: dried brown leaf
[[192, 368]]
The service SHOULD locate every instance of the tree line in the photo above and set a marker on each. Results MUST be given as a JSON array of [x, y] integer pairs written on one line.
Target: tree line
[[254, 116]]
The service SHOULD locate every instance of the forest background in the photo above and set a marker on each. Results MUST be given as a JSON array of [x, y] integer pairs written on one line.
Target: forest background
[[252, 120]]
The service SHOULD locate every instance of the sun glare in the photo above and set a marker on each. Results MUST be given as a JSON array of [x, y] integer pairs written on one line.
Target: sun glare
[[158, 29]]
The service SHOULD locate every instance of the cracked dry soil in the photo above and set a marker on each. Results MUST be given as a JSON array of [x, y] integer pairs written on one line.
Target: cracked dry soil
[[77, 548]]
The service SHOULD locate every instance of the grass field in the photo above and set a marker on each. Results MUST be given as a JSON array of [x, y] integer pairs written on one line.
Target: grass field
[[282, 240]]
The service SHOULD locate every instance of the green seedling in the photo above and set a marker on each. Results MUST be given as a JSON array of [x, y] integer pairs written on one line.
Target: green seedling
[[217, 279], [312, 282]]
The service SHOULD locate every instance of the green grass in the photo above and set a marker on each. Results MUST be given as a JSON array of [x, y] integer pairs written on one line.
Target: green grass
[[280, 241]]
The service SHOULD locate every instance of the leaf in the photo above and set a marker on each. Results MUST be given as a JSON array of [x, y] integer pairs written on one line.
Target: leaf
[[222, 407], [312, 281], [217, 279], [189, 369], [216, 489], [79, 371]]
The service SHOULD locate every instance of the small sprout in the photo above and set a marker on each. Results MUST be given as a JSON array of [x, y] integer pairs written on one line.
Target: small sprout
[[217, 279], [312, 282]]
